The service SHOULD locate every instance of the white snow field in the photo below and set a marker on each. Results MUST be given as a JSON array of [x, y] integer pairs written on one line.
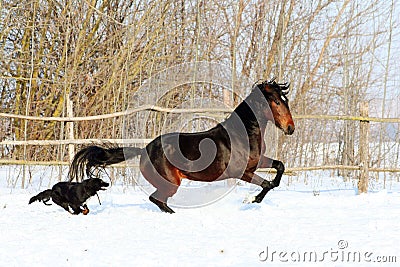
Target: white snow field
[[316, 220]]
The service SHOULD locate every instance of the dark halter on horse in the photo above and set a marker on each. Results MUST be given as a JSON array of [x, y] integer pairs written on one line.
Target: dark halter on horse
[[235, 149]]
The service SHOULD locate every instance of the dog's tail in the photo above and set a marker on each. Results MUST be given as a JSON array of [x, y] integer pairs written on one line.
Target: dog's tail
[[98, 156], [44, 196]]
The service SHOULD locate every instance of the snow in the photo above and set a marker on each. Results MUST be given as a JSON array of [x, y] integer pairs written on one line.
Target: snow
[[322, 217]]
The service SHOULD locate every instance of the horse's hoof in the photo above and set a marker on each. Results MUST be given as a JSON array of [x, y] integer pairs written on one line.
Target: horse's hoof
[[256, 200], [167, 209], [249, 199]]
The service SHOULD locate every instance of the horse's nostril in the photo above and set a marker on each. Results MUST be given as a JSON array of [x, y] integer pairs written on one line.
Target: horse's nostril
[[290, 129]]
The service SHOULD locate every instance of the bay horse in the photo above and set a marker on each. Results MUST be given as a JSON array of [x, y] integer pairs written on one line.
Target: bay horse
[[233, 148]]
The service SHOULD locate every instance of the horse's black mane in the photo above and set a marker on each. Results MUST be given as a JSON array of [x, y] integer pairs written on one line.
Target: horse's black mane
[[281, 88]]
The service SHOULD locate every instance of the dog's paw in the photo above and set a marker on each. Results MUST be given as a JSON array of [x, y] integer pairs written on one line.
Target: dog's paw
[[85, 211]]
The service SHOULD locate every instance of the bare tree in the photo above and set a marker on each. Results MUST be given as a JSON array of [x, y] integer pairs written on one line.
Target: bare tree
[[98, 53]]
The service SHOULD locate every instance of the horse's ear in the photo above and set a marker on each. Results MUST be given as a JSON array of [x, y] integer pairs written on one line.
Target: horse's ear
[[266, 85], [285, 88]]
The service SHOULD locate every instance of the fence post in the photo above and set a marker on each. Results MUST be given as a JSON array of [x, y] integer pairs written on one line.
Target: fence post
[[364, 150], [70, 128]]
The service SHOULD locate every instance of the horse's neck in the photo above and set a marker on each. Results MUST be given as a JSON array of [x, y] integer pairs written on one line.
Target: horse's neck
[[244, 124]]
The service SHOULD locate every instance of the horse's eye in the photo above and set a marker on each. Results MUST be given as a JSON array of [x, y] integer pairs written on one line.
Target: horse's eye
[[277, 102]]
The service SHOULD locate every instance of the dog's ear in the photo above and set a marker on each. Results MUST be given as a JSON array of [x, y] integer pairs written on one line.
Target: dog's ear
[[96, 184], [90, 187]]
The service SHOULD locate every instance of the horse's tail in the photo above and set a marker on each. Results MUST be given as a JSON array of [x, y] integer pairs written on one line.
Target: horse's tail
[[98, 156], [44, 196]]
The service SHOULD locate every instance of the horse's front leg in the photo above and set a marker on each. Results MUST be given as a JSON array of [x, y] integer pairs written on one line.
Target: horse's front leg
[[257, 180], [265, 185], [266, 162]]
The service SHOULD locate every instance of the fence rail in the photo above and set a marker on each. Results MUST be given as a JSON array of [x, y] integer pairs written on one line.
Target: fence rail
[[73, 142], [288, 171], [189, 110]]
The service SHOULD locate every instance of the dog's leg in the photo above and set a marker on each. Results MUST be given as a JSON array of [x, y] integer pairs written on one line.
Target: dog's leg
[[60, 202], [76, 209], [45, 202]]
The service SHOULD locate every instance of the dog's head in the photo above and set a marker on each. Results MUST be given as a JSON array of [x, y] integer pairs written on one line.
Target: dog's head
[[93, 185]]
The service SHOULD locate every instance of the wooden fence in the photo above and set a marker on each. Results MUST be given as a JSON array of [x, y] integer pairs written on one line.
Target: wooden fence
[[363, 118]]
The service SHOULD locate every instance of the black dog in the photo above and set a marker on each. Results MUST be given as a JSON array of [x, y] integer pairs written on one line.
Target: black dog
[[71, 194]]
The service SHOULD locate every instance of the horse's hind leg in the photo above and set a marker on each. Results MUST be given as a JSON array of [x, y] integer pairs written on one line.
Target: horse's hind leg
[[161, 176], [165, 189], [160, 200]]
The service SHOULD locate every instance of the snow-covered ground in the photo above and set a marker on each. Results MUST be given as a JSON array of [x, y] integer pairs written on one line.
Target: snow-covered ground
[[322, 220]]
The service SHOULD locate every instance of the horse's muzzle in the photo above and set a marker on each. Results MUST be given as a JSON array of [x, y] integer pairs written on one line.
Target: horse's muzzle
[[289, 130]]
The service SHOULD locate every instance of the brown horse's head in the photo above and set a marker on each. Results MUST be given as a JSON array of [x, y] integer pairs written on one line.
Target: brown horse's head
[[275, 94]]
